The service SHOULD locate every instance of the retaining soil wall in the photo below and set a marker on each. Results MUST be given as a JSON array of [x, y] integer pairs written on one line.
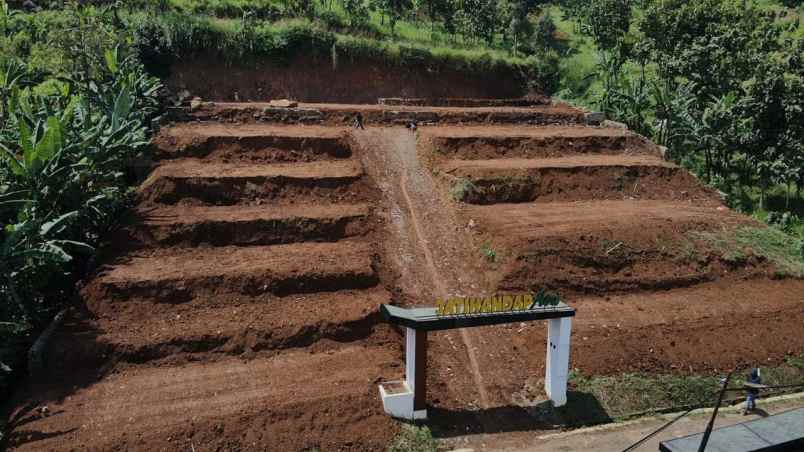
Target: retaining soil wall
[[348, 80]]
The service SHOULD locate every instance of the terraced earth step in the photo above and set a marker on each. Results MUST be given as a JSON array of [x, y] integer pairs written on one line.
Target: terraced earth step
[[194, 169], [507, 166], [529, 221], [699, 329], [490, 142], [251, 142], [177, 275], [232, 183], [373, 114], [251, 225], [230, 404], [609, 247], [576, 178], [229, 324]]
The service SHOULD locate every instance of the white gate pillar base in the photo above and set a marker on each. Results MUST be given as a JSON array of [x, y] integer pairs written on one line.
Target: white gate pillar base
[[400, 399], [557, 364]]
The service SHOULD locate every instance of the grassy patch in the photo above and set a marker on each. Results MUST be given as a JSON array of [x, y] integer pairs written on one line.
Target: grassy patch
[[462, 190], [796, 361], [773, 244], [413, 439], [626, 394], [488, 252], [623, 396]]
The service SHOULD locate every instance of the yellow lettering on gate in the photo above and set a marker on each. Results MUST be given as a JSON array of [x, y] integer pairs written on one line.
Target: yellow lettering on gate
[[527, 301], [486, 305], [476, 304], [440, 307], [507, 303], [518, 303], [496, 304]]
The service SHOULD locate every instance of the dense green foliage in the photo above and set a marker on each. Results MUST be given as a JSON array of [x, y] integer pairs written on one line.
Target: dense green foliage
[[719, 82], [467, 35], [75, 108], [165, 37]]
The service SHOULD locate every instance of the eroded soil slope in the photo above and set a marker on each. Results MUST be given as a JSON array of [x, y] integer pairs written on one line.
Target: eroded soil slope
[[598, 215], [237, 310]]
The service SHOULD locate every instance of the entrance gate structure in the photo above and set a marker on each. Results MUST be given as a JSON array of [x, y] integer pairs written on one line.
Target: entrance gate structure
[[407, 399]]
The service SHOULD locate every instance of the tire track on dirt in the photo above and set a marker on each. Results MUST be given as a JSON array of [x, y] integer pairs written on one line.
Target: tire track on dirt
[[438, 281]]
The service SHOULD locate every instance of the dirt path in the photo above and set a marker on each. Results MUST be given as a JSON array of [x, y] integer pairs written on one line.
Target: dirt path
[[408, 148], [431, 229]]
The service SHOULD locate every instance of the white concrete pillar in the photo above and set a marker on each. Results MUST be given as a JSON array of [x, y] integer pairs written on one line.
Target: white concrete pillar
[[410, 358], [416, 371], [557, 364]]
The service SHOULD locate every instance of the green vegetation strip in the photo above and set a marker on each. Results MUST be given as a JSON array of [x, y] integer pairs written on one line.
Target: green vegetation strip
[[771, 243], [413, 438], [634, 394]]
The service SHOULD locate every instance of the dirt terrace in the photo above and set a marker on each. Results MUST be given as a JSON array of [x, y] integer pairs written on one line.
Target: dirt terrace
[[251, 271], [237, 310], [608, 227], [375, 115]]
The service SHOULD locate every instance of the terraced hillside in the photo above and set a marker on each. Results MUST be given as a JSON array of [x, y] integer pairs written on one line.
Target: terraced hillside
[[238, 310], [242, 296], [597, 214]]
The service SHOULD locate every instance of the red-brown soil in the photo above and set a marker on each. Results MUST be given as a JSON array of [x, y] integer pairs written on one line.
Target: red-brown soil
[[484, 142], [192, 181], [346, 78], [239, 284], [328, 400], [237, 309], [173, 275], [232, 323], [572, 179], [254, 143], [378, 115], [250, 225], [607, 246], [463, 102]]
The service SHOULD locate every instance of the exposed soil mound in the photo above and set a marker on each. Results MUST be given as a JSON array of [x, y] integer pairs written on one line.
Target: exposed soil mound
[[211, 327], [480, 143], [237, 310], [256, 144], [174, 276], [249, 275], [193, 182], [294, 401], [248, 225], [377, 115], [351, 80], [570, 179], [463, 102], [608, 246]]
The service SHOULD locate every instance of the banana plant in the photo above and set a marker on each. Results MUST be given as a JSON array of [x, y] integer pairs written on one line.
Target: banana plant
[[6, 13], [12, 72], [28, 244]]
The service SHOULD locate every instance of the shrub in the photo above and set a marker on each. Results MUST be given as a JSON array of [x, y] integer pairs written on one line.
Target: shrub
[[462, 190], [67, 132]]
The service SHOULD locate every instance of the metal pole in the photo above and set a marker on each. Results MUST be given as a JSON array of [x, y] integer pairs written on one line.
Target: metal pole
[[711, 423]]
